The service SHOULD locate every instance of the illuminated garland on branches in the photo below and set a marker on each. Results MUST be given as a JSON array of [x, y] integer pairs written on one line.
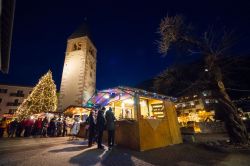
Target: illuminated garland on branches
[[42, 98]]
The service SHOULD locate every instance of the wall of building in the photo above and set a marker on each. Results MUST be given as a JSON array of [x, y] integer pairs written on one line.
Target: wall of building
[[196, 108], [11, 97]]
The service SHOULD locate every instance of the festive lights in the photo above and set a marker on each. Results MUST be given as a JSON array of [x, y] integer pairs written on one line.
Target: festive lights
[[42, 98], [128, 101], [143, 103], [106, 96]]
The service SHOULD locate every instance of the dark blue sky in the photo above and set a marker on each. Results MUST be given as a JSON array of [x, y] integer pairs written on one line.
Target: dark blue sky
[[124, 33]]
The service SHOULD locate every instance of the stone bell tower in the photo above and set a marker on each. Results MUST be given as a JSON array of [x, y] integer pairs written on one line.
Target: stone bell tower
[[79, 71]]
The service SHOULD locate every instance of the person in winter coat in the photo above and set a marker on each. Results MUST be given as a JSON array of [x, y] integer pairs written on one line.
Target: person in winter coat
[[19, 129], [110, 123], [3, 126], [59, 127], [92, 128], [38, 126], [13, 127], [75, 129], [22, 127], [28, 124], [65, 126], [45, 124], [100, 127], [52, 126]]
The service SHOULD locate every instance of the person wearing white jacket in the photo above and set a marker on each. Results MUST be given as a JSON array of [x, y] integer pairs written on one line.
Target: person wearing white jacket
[[75, 128]]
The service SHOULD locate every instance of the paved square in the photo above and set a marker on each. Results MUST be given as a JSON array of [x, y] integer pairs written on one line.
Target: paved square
[[60, 151]]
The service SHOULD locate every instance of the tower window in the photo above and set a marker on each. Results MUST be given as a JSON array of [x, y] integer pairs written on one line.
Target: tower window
[[90, 74], [91, 51], [77, 46]]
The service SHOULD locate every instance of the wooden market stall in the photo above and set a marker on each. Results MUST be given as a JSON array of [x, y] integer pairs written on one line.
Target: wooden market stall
[[72, 112], [76, 111], [145, 120]]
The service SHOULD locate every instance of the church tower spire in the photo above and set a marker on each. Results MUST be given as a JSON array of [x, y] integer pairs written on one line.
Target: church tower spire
[[79, 71]]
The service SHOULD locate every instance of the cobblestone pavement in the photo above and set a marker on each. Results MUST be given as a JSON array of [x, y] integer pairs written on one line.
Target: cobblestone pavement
[[60, 151]]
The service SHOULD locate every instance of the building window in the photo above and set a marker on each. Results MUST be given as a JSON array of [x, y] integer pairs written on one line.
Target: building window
[[19, 93], [15, 103], [91, 51], [1, 100], [90, 74], [77, 46], [9, 104], [3, 90]]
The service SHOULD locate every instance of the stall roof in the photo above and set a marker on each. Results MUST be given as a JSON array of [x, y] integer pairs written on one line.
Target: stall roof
[[103, 97]]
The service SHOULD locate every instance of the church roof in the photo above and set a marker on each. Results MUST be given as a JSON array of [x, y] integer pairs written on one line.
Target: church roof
[[81, 31]]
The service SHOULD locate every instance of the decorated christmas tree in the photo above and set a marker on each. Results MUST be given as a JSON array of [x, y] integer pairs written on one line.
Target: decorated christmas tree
[[43, 98]]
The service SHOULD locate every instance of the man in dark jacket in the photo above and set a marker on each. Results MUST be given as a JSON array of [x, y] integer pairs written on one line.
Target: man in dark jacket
[[52, 126], [45, 124], [13, 127], [65, 126], [19, 129], [91, 129], [110, 122], [59, 125], [100, 127]]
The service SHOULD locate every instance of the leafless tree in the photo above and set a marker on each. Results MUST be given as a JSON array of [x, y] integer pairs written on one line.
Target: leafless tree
[[213, 47]]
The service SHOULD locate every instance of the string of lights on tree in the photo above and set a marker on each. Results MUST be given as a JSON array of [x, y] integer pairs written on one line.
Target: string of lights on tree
[[42, 98]]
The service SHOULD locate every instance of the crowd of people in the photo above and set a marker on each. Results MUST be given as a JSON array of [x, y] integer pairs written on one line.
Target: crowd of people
[[97, 123], [34, 127]]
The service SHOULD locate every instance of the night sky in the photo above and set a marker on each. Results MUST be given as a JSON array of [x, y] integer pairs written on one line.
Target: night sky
[[124, 33]]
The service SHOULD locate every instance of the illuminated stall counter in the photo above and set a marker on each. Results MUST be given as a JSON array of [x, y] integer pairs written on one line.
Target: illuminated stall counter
[[145, 120]]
